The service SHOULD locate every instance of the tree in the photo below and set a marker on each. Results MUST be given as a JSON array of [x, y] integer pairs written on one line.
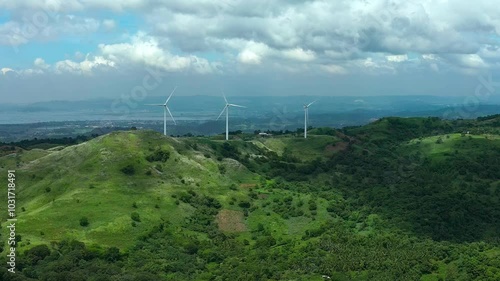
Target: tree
[[112, 254], [36, 254]]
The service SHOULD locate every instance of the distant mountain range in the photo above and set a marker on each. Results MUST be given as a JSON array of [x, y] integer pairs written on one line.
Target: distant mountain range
[[284, 107]]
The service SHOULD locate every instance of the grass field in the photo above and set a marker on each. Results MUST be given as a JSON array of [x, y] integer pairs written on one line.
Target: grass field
[[449, 143], [307, 149]]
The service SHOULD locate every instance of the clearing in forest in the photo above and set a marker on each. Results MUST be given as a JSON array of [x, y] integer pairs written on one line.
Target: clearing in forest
[[231, 221]]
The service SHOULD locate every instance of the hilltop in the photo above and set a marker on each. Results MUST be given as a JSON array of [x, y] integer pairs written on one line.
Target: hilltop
[[400, 197]]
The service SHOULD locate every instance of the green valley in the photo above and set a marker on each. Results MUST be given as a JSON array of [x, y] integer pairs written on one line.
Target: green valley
[[397, 199]]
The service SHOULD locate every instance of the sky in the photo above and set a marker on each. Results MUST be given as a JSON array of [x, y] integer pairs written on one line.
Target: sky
[[85, 49]]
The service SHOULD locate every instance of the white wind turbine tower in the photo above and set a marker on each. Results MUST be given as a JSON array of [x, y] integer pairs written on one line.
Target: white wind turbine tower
[[165, 110], [226, 108], [306, 117]]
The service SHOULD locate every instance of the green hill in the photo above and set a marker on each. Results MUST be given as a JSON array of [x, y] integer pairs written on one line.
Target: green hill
[[398, 199], [91, 180]]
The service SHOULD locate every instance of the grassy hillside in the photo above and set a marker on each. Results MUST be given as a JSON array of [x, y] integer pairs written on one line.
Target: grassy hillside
[[305, 149], [398, 199], [58, 188]]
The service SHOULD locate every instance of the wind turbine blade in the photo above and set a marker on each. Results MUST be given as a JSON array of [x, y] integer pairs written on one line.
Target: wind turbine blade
[[170, 95], [224, 97], [221, 113], [311, 103], [230, 104], [157, 104], [170, 114]]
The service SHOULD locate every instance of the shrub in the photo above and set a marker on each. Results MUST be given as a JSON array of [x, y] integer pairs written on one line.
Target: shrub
[[84, 221], [128, 170], [265, 242], [260, 227], [331, 207], [135, 217], [159, 155], [312, 205], [222, 169], [112, 254], [244, 204], [191, 248]]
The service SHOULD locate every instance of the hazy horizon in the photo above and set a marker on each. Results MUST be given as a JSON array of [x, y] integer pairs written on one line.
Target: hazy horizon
[[205, 108]]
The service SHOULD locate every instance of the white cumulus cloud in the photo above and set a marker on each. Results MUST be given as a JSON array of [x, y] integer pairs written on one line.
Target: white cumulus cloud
[[300, 54], [85, 67], [145, 50], [397, 58]]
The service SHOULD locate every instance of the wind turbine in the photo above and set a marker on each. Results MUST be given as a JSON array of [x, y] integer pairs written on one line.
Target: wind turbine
[[226, 108], [306, 116], [165, 109]]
